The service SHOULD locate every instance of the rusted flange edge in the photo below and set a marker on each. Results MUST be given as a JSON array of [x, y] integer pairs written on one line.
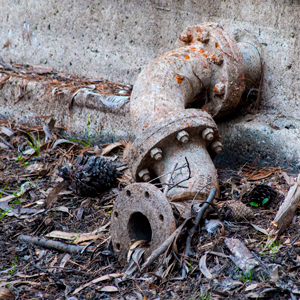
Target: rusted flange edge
[[145, 199], [164, 131]]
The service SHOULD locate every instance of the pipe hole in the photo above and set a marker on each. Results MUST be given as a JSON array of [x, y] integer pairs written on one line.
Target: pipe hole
[[116, 214], [161, 217], [128, 193], [118, 246], [147, 195], [139, 227]]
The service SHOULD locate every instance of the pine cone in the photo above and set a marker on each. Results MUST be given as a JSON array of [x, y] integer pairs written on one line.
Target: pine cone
[[260, 193], [236, 210], [91, 176]]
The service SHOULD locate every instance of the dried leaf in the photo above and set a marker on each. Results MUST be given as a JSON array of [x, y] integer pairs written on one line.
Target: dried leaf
[[96, 280], [5, 293], [7, 131], [109, 289], [52, 197], [110, 147], [64, 260], [126, 149], [203, 267]]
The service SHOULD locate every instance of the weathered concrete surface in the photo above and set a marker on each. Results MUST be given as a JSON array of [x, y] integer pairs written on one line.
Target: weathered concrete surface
[[106, 124], [115, 39]]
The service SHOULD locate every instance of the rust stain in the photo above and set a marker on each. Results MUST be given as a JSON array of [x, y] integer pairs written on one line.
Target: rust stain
[[217, 45], [179, 78], [215, 88], [188, 124], [187, 57], [146, 125]]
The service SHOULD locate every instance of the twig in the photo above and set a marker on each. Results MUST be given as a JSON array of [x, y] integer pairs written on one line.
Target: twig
[[197, 221], [189, 176], [51, 244], [170, 179], [163, 247], [6, 143]]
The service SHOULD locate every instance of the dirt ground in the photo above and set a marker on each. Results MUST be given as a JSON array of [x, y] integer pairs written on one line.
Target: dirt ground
[[36, 203]]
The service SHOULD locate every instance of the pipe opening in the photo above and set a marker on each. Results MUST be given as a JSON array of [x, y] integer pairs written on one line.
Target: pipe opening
[[139, 227]]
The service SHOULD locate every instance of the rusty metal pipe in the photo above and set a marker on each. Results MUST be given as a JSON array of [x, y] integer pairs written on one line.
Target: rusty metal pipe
[[208, 62], [173, 105]]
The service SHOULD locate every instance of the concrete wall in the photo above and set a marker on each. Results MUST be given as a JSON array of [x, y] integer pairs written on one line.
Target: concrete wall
[[115, 39]]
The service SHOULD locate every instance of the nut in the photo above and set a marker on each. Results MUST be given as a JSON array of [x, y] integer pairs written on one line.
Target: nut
[[219, 89], [204, 37], [156, 153], [183, 136], [145, 175], [217, 59], [208, 134], [217, 147], [186, 37]]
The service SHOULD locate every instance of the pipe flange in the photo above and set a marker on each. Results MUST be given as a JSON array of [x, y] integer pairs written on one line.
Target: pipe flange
[[175, 127], [223, 52], [141, 212]]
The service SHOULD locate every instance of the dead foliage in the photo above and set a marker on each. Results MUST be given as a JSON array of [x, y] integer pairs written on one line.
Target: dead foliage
[[56, 244]]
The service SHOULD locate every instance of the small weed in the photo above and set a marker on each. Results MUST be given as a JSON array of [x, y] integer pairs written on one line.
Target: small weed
[[273, 248], [254, 204], [245, 277], [34, 145], [4, 213], [204, 297], [19, 158], [25, 164], [13, 265], [88, 140], [4, 189]]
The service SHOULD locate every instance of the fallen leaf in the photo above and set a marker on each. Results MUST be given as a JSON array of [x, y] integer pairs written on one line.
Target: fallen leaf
[[5, 293], [110, 147], [109, 289], [203, 267], [96, 280]]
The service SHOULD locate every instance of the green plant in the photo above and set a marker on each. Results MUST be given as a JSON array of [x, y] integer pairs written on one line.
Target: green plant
[[88, 140], [254, 204], [273, 247], [245, 277], [34, 145], [19, 158], [4, 213], [206, 296], [25, 164], [4, 189], [13, 265]]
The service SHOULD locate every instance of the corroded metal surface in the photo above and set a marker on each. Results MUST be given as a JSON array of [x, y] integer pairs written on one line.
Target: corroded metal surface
[[163, 134], [141, 212], [173, 103]]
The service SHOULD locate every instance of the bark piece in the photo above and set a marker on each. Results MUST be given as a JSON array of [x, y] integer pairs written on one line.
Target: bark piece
[[288, 208], [242, 257]]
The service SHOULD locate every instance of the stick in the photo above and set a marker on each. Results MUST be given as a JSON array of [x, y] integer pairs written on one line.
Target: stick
[[197, 221], [163, 247], [288, 208], [50, 244]]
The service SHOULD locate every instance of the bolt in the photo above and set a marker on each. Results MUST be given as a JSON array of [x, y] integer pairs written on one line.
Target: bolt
[[186, 37], [217, 147], [204, 37], [183, 136], [156, 153], [145, 175], [217, 59], [208, 134], [219, 89]]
